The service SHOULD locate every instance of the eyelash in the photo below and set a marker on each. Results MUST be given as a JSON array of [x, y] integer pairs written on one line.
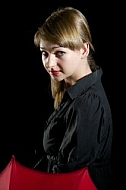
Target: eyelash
[[57, 54]]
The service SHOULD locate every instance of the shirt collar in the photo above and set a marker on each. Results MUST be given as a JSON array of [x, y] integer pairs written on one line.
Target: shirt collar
[[84, 83]]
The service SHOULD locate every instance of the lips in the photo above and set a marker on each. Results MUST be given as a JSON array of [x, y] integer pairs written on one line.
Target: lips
[[55, 72]]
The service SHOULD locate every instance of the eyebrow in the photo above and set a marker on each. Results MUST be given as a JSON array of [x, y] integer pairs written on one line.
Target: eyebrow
[[52, 47]]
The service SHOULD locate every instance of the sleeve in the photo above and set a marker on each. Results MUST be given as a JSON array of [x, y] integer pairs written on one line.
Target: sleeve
[[85, 134]]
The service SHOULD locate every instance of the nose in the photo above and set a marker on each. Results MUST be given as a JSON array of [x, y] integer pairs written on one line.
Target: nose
[[51, 61]]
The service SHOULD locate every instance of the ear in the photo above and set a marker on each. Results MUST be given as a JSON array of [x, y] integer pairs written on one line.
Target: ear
[[85, 50]]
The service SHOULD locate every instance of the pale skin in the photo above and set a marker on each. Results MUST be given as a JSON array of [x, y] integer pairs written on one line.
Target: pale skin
[[63, 63]]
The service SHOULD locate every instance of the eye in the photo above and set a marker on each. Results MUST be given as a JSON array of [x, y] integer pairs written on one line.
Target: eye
[[59, 53], [44, 53]]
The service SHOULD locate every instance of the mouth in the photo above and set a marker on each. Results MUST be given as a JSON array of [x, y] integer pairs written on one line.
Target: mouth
[[56, 73]]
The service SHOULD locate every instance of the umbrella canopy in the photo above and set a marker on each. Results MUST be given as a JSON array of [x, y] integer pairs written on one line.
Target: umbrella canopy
[[18, 177]]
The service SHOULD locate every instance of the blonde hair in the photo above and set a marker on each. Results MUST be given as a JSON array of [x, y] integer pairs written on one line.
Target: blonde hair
[[69, 28]]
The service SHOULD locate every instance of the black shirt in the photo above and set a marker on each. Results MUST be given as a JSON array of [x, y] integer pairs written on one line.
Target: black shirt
[[80, 132]]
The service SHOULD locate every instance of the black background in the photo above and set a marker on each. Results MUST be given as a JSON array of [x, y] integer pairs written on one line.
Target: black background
[[25, 98]]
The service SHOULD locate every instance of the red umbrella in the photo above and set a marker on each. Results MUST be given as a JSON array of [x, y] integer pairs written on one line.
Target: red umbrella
[[18, 177]]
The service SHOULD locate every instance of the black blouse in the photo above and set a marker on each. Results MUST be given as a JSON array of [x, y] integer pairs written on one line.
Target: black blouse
[[80, 132]]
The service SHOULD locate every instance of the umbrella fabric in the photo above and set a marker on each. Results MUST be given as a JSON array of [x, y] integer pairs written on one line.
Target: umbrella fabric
[[18, 177]]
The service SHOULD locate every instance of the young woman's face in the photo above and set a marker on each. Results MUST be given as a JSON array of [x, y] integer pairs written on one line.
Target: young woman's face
[[61, 63]]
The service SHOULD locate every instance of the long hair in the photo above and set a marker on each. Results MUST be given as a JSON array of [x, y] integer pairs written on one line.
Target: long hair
[[69, 28]]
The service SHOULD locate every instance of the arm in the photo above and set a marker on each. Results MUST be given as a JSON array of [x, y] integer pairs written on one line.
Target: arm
[[86, 132]]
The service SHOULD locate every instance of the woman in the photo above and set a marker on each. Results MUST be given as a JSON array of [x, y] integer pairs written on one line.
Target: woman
[[79, 132]]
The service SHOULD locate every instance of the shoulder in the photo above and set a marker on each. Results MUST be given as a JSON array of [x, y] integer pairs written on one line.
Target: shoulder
[[87, 99]]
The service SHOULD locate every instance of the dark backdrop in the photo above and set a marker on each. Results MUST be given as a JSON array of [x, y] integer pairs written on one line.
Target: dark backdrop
[[25, 92]]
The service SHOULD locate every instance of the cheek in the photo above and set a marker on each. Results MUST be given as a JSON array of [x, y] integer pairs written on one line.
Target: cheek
[[69, 67], [44, 65], [44, 62]]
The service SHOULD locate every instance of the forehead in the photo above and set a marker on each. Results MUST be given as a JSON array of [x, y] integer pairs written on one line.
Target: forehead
[[47, 45]]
